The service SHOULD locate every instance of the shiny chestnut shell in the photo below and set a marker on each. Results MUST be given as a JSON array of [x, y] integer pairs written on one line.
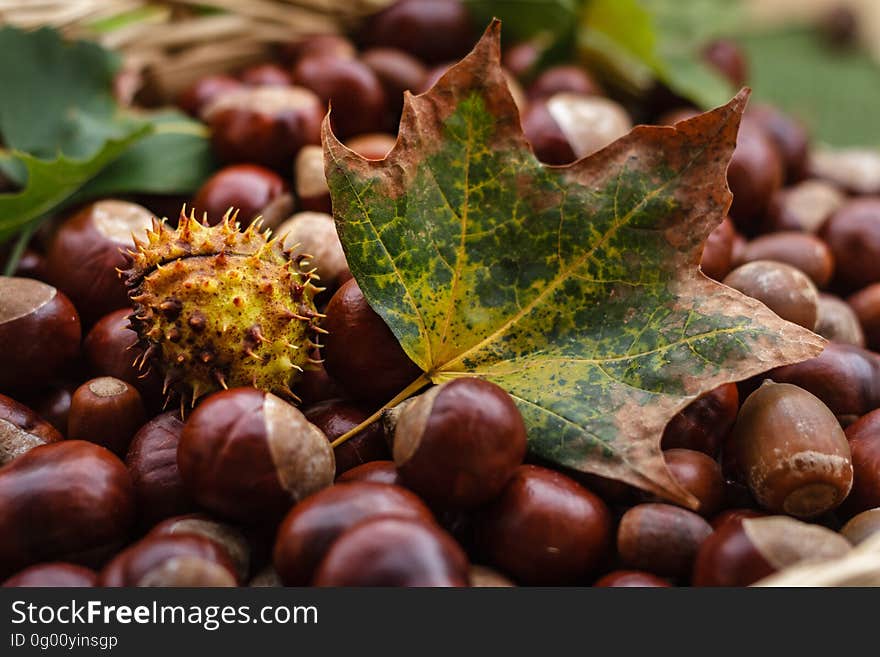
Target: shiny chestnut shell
[[458, 444], [21, 429], [359, 345], [55, 575], [307, 532], [393, 552], [544, 528], [70, 500], [244, 430], [152, 464], [39, 333]]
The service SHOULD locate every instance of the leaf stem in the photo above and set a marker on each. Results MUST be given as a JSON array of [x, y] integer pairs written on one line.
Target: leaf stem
[[406, 393], [18, 250]]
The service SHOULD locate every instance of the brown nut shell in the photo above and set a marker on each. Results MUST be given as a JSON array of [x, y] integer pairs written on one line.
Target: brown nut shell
[[660, 538], [394, 552], [792, 451], [184, 560], [544, 528], [458, 444], [310, 528], [21, 429], [55, 575], [39, 333], [70, 500], [246, 454]]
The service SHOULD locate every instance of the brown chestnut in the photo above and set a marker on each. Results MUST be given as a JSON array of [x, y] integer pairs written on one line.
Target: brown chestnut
[[87, 250], [310, 183], [458, 444], [264, 125], [360, 344], [315, 385], [314, 233], [393, 552], [39, 333], [550, 144], [432, 30], [397, 71], [195, 98], [705, 422], [107, 412], [805, 252], [522, 58], [21, 430], [246, 454], [853, 234], [307, 532], [380, 472], [233, 541], [792, 451], [788, 135], [184, 560], [783, 289], [589, 123], [335, 417], [699, 475], [70, 500], [862, 526], [845, 377], [55, 575], [754, 175], [840, 321], [864, 444], [717, 259], [660, 538], [544, 528], [248, 188], [741, 552], [53, 404], [152, 464], [563, 78], [354, 93], [585, 123], [111, 349], [631, 578], [866, 305], [726, 57], [805, 206]]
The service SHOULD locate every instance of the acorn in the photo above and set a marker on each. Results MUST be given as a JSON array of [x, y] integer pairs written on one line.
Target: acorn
[[216, 308]]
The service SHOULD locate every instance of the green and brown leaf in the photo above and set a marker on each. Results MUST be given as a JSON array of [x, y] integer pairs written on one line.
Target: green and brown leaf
[[575, 288]]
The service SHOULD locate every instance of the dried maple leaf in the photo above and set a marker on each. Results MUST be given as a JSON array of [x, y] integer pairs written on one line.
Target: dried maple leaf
[[577, 288]]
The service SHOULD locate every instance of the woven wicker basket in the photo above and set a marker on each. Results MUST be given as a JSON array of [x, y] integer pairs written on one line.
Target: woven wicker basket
[[168, 45]]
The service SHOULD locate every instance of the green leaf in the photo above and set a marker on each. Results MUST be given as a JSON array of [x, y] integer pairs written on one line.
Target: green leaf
[[636, 41], [575, 288], [57, 97], [50, 183], [836, 93], [526, 18], [175, 159]]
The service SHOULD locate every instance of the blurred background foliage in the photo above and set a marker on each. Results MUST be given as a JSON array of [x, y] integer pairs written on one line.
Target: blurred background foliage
[[818, 59]]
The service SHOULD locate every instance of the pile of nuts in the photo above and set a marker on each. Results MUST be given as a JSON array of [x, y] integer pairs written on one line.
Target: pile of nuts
[[100, 485]]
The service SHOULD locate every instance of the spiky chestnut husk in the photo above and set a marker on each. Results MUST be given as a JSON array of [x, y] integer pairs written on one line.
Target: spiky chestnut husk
[[215, 307]]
